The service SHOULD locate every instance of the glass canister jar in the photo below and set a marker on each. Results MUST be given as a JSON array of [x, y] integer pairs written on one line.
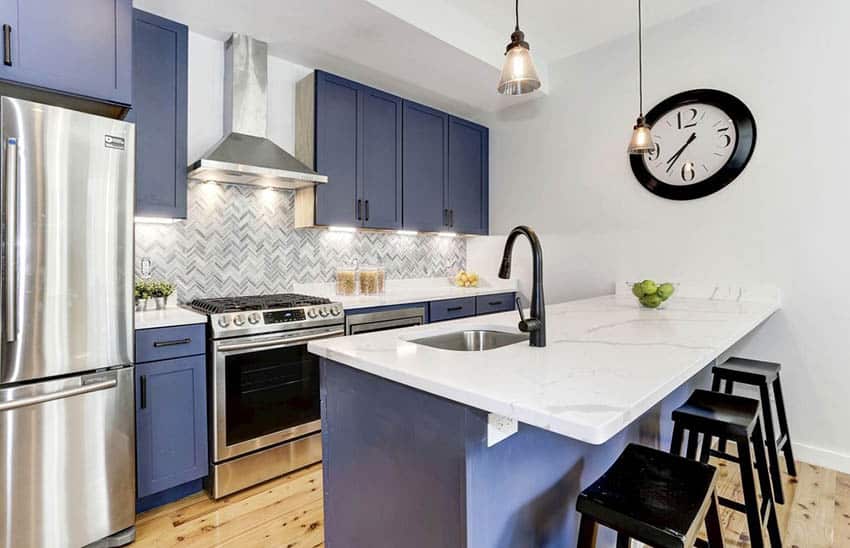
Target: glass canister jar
[[346, 281], [371, 280]]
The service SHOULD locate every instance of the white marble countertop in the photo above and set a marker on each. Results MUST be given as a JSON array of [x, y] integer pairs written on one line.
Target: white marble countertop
[[168, 317], [607, 361], [409, 291]]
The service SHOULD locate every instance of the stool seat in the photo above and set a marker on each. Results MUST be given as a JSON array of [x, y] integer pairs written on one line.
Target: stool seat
[[748, 371], [719, 414], [652, 496]]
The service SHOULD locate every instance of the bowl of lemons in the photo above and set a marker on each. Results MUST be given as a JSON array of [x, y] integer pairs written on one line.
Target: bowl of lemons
[[465, 279], [652, 294]]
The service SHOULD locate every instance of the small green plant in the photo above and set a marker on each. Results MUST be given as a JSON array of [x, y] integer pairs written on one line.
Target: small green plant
[[142, 290], [146, 289]]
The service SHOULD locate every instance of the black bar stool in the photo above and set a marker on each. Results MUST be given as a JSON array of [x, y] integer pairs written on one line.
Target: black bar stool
[[736, 419], [763, 375], [653, 497]]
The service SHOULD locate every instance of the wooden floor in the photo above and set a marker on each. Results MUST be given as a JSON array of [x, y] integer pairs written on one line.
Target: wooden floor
[[288, 513]]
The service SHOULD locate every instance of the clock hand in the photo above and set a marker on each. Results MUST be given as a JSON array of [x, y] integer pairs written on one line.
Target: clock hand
[[672, 161]]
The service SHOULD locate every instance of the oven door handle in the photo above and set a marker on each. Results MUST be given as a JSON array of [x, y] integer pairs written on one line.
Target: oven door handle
[[277, 343]]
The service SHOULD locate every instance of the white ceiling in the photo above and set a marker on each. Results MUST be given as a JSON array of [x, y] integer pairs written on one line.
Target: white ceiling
[[442, 52]]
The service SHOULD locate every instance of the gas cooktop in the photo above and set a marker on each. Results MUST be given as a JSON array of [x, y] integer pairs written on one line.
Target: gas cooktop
[[255, 302]]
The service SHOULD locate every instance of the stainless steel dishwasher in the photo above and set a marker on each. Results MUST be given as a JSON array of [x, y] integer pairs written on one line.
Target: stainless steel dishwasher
[[382, 320]]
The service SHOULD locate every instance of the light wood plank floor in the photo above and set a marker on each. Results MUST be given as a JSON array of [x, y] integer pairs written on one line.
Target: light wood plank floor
[[288, 513]]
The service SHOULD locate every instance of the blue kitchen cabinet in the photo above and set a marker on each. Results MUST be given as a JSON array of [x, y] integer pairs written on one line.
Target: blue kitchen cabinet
[[160, 94], [491, 304], [171, 413], [81, 48], [358, 147], [468, 181], [425, 148]]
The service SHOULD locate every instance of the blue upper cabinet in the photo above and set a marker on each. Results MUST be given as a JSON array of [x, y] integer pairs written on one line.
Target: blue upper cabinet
[[468, 181], [79, 47], [160, 79], [380, 165], [358, 146], [425, 144], [337, 150]]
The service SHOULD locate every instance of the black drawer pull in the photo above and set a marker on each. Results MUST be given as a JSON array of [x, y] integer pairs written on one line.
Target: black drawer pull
[[7, 45], [454, 309], [494, 303], [160, 344], [143, 391]]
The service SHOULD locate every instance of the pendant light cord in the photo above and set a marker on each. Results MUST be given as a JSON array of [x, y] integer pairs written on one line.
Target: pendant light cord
[[517, 14], [640, 56]]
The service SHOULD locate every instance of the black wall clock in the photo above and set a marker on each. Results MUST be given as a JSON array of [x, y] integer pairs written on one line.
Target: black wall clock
[[703, 140]]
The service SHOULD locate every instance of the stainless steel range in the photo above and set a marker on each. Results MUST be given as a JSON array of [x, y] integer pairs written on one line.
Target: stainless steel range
[[264, 385]]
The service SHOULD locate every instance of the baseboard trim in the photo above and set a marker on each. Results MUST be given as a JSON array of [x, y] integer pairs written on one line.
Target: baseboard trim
[[819, 456]]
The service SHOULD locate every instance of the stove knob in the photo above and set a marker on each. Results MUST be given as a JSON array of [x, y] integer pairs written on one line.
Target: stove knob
[[323, 312], [224, 321], [239, 320], [335, 311], [312, 313], [253, 318]]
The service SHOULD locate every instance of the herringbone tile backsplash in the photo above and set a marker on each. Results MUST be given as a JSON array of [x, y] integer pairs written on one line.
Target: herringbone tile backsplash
[[240, 240]]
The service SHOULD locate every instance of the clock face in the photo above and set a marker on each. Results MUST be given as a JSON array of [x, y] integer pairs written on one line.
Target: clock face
[[703, 140], [692, 143]]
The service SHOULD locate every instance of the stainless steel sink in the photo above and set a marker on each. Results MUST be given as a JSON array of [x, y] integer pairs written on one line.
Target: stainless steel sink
[[472, 340]]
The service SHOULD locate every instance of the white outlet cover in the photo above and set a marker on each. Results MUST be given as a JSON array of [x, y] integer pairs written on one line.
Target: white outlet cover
[[499, 428]]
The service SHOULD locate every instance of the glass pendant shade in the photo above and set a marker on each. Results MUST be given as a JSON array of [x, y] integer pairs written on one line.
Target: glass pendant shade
[[641, 142], [518, 73]]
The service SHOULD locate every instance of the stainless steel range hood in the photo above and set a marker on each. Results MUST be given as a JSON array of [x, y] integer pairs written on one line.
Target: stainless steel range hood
[[245, 155]]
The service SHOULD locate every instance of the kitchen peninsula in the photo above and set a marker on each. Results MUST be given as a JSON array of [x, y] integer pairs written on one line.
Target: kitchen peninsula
[[409, 458]]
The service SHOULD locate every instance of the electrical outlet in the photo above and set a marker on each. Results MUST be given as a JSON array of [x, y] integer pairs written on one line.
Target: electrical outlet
[[499, 428]]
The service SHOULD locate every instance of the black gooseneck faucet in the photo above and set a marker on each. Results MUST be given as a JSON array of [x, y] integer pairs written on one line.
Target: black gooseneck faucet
[[535, 325]]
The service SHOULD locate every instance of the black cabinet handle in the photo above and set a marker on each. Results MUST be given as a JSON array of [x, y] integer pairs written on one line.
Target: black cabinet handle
[[445, 217], [366, 204], [7, 45], [495, 303], [451, 218], [143, 392], [454, 309], [358, 208], [160, 344]]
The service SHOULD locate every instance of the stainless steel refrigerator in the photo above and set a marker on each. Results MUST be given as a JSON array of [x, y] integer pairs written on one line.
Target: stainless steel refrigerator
[[67, 445]]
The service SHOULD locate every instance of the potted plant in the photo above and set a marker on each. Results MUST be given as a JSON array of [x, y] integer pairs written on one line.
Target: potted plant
[[141, 292], [160, 291]]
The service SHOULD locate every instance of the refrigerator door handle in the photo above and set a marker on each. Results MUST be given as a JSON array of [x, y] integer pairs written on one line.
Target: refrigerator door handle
[[11, 238], [44, 398]]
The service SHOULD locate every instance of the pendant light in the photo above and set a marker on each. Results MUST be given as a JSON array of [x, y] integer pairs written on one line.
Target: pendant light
[[641, 142], [518, 73]]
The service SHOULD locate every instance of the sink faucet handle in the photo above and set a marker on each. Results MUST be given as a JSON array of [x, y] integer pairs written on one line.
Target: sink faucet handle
[[527, 325], [519, 309]]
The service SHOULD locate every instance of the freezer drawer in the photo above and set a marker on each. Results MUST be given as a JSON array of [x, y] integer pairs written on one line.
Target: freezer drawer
[[67, 459]]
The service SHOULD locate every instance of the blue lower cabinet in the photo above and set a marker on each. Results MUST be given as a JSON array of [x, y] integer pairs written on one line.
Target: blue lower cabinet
[[452, 309], [490, 304], [171, 423]]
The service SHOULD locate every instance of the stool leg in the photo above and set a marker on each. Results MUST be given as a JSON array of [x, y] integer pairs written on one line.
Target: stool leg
[[770, 439], [705, 448], [783, 427], [586, 533], [730, 385], [623, 540], [676, 442], [693, 440], [764, 484], [751, 500], [713, 530]]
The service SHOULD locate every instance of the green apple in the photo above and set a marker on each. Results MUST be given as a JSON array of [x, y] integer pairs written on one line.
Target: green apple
[[665, 291], [651, 301], [649, 287], [637, 290]]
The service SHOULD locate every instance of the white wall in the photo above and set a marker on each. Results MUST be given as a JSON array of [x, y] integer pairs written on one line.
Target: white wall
[[206, 96], [560, 165]]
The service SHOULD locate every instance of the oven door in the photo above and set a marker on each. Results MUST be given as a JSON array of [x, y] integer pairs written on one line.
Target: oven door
[[265, 390]]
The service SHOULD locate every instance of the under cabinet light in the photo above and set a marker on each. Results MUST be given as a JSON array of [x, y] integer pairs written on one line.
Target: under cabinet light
[[447, 234], [156, 220], [342, 229], [406, 232]]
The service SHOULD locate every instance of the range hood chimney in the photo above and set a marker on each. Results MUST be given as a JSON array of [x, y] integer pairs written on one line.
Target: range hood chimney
[[245, 155]]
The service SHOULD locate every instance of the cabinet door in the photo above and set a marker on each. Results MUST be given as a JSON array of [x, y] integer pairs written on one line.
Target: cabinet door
[[380, 159], [81, 47], [425, 150], [171, 423], [337, 150], [160, 75], [468, 177]]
